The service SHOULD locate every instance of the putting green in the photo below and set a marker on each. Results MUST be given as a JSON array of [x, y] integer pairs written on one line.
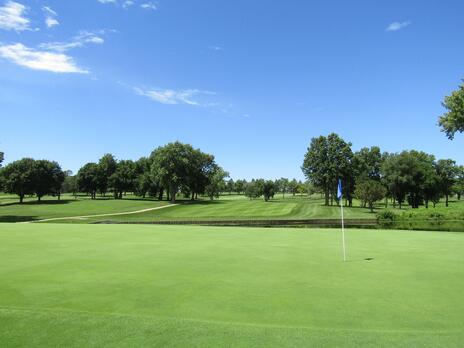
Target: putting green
[[125, 285]]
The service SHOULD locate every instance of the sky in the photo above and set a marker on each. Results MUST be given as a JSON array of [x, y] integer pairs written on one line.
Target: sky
[[248, 81]]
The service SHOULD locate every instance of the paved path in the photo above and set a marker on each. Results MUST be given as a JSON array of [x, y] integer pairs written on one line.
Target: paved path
[[83, 217]]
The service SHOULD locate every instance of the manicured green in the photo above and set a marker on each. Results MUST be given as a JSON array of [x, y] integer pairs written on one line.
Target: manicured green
[[179, 286]]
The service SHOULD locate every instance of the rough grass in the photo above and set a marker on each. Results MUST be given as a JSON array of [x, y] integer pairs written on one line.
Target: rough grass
[[179, 286]]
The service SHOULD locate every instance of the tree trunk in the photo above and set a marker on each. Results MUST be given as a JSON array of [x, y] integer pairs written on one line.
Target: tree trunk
[[21, 198], [160, 195], [326, 193], [446, 198], [426, 204], [193, 196], [173, 192]]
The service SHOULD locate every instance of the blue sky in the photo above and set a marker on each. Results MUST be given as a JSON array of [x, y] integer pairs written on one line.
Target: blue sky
[[249, 81]]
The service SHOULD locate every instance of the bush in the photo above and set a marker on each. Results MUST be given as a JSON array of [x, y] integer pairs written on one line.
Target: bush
[[386, 216]]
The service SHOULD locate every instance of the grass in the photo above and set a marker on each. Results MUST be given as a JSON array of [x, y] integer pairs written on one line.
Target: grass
[[178, 286], [12, 211], [228, 207]]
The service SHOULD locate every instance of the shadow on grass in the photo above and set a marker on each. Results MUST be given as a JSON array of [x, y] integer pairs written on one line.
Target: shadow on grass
[[14, 218], [45, 202]]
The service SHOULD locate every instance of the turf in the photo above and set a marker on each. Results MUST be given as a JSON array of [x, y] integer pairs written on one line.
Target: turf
[[178, 286], [68, 206]]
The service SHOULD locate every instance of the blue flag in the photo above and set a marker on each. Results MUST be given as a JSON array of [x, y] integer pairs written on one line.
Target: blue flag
[[339, 192]]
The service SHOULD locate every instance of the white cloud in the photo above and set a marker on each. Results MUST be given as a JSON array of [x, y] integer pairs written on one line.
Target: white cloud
[[80, 40], [395, 26], [39, 59], [49, 11], [128, 3], [51, 22], [148, 6], [107, 1], [12, 17], [50, 19], [173, 97]]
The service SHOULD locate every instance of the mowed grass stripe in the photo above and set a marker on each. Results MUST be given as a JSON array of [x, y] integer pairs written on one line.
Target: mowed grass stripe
[[228, 286]]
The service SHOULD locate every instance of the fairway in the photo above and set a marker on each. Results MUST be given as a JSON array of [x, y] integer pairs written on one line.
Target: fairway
[[119, 285]]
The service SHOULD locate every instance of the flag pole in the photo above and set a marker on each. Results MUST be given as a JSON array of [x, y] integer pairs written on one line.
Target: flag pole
[[343, 230], [340, 199]]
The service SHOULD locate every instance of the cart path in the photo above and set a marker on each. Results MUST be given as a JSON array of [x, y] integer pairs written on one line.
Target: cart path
[[83, 217]]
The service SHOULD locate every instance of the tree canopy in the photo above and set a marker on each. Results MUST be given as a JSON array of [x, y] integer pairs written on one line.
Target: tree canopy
[[452, 121]]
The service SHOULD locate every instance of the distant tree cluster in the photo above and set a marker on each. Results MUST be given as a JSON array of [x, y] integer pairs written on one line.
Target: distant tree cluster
[[32, 177], [169, 170], [257, 188], [410, 176]]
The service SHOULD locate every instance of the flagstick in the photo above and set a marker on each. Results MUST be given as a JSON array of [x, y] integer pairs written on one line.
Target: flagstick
[[343, 229]]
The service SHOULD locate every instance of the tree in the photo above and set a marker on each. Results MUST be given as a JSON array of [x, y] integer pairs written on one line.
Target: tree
[[1, 158], [143, 183], [123, 179], [327, 160], [69, 183], [405, 175], [282, 185], [179, 166], [447, 172], [230, 186], [106, 167], [268, 189], [240, 186], [370, 191], [293, 186], [367, 163], [171, 165], [452, 121], [48, 178], [459, 185], [18, 178], [216, 182], [253, 189], [88, 178]]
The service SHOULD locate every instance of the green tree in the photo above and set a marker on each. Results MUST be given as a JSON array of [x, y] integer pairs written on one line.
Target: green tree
[[405, 175], [283, 185], [123, 179], [370, 191], [253, 189], [367, 163], [268, 189], [452, 121], [106, 167], [459, 185], [327, 160], [69, 183], [48, 178], [143, 183], [216, 182], [447, 172], [18, 178], [171, 164], [1, 158], [88, 178], [230, 186], [240, 186]]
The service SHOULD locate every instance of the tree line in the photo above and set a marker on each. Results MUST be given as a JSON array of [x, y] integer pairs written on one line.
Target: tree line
[[412, 177]]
